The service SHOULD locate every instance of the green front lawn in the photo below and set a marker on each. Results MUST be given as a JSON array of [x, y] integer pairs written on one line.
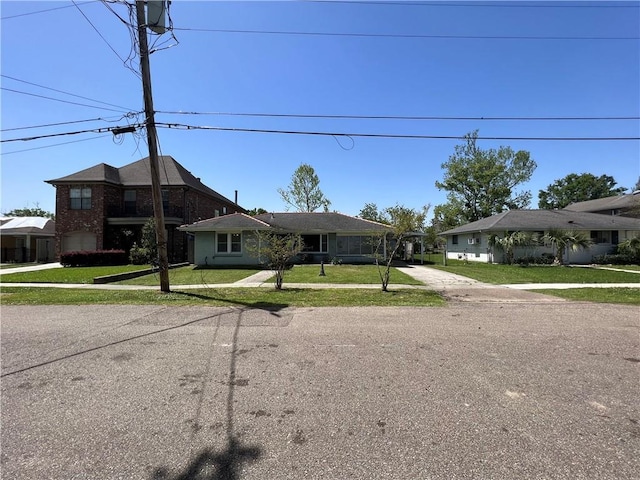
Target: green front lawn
[[241, 297], [191, 275], [341, 274], [628, 296], [506, 274], [67, 274]]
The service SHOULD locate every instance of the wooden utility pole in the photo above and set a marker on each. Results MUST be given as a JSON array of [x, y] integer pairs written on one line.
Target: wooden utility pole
[[150, 123]]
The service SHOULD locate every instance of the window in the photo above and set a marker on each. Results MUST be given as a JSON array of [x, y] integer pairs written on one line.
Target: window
[[599, 236], [165, 200], [454, 239], [315, 243], [229, 243], [355, 245], [129, 201], [80, 198]]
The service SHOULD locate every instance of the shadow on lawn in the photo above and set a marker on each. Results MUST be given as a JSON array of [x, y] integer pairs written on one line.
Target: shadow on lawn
[[267, 306]]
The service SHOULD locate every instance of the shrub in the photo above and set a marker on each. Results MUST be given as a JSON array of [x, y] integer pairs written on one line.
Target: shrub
[[93, 258], [616, 259], [140, 255]]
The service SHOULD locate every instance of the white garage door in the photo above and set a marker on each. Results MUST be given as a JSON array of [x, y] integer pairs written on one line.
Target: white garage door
[[77, 241]]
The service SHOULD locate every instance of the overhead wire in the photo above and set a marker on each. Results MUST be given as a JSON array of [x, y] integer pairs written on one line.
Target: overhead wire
[[394, 117], [53, 145], [383, 135], [65, 93], [62, 134], [497, 4], [59, 100], [61, 123], [44, 11], [399, 35], [102, 36]]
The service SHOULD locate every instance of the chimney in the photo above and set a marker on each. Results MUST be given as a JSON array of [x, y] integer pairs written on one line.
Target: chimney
[[236, 200]]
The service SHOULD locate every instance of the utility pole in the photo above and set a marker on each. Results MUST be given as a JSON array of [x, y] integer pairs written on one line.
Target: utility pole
[[150, 123]]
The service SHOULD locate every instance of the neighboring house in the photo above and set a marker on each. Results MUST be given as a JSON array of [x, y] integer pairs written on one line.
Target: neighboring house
[[623, 205], [326, 236], [27, 239], [105, 207], [471, 241]]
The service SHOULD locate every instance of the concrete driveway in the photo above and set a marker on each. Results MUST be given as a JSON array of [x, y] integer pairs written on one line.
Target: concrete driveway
[[471, 390]]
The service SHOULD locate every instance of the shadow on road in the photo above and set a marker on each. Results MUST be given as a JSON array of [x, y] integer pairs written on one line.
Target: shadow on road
[[226, 464]]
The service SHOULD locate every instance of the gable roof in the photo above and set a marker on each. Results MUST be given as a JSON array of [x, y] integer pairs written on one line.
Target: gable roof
[[234, 221], [297, 222], [533, 220], [138, 174], [608, 203]]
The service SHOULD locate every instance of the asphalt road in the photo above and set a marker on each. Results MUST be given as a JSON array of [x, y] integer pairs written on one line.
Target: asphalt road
[[471, 390]]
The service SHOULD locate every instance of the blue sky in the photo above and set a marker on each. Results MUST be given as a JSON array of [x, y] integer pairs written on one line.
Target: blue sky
[[421, 59]]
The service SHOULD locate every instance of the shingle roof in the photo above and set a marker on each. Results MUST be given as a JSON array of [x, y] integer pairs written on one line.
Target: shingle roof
[[531, 220], [320, 222], [235, 221], [297, 222], [607, 203], [139, 174]]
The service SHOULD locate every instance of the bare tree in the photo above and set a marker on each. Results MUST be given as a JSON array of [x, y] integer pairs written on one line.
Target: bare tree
[[277, 250]]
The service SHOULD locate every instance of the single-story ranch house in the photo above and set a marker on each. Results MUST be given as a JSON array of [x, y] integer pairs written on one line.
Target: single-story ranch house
[[326, 236], [471, 241]]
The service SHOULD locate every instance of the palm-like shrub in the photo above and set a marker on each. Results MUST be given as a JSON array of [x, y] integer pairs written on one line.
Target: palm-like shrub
[[510, 241], [562, 240], [631, 248]]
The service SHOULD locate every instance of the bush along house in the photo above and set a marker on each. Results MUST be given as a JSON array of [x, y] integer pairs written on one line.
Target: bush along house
[[104, 207]]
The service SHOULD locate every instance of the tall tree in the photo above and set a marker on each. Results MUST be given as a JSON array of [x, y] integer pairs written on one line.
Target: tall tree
[[30, 212], [370, 212], [482, 182], [577, 188], [447, 216], [304, 193]]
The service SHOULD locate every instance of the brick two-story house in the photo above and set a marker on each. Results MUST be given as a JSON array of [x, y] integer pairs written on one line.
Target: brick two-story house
[[104, 207]]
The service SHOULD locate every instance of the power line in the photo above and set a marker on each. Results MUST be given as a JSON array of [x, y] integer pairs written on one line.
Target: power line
[[59, 100], [61, 123], [44, 11], [398, 35], [66, 93], [384, 135], [54, 145], [124, 62], [114, 130], [518, 4], [391, 117]]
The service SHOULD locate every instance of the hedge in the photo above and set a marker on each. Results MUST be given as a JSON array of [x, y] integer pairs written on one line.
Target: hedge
[[94, 258]]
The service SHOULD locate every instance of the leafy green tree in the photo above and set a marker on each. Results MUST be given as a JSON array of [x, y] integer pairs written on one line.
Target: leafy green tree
[[577, 188], [562, 240], [481, 183], [404, 222], [256, 211], [30, 212], [447, 216], [304, 192], [370, 212], [637, 185], [277, 250]]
